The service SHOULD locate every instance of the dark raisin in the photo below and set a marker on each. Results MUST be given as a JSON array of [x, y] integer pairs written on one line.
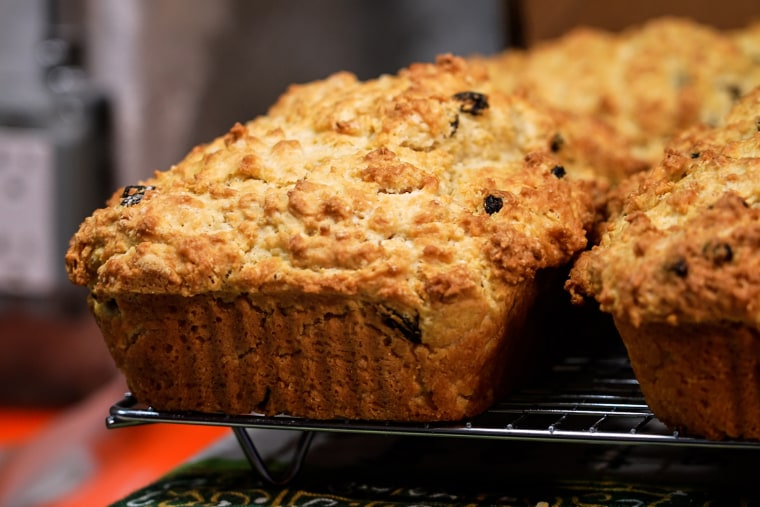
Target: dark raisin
[[454, 125], [734, 91], [558, 171], [679, 267], [111, 307], [473, 103], [757, 124], [265, 400], [695, 154], [718, 253], [493, 204], [133, 194], [409, 327], [556, 143]]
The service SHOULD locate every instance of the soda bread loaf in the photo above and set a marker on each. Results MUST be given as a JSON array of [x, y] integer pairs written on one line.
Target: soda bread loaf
[[647, 82], [365, 250], [678, 268]]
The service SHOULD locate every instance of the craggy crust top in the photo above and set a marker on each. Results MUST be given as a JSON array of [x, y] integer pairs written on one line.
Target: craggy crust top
[[684, 245], [420, 188], [648, 82]]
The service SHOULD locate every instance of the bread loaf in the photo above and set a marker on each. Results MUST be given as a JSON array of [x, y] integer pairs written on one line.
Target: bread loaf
[[678, 267], [367, 249], [648, 82]]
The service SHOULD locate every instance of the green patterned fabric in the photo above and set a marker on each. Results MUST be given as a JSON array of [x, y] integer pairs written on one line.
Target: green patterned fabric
[[233, 484], [355, 471]]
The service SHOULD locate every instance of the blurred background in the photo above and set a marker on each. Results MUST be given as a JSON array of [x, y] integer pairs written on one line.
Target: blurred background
[[97, 94]]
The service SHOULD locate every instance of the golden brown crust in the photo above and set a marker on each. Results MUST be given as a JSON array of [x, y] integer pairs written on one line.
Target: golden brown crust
[[648, 82], [682, 244], [678, 268], [370, 190], [424, 197], [748, 39]]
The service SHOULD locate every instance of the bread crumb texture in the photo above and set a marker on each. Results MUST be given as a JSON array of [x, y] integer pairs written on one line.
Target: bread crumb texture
[[421, 189], [682, 244], [647, 82]]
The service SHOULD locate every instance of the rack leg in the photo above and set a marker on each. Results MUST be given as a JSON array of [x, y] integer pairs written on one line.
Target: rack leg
[[254, 458]]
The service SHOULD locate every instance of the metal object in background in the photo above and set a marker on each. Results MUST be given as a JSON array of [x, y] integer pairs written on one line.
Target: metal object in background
[[54, 150]]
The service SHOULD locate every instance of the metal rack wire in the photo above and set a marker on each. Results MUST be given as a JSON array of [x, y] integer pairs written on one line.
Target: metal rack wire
[[582, 399]]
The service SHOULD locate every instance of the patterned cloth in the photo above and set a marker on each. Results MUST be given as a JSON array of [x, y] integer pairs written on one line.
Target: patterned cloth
[[409, 471], [217, 484]]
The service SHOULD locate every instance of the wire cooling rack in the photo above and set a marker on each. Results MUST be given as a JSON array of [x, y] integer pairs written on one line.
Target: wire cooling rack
[[581, 399]]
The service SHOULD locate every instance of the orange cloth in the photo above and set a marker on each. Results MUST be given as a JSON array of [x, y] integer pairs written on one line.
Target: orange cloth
[[107, 464]]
